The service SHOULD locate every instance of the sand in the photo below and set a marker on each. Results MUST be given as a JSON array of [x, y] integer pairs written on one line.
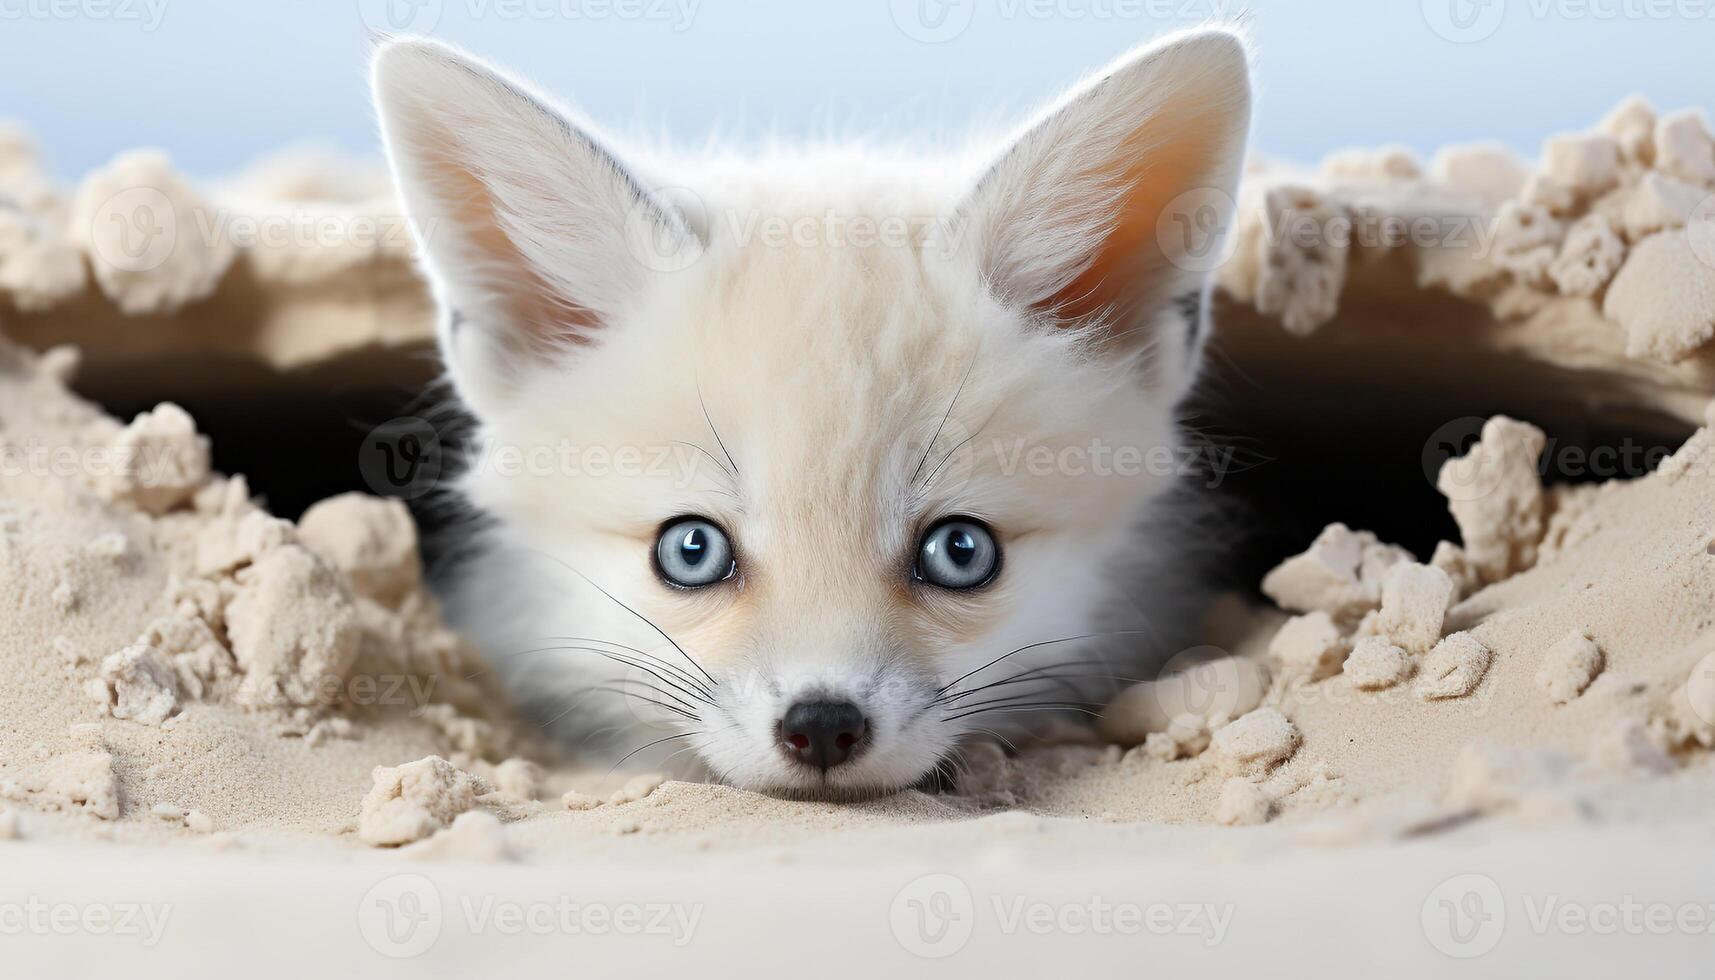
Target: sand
[[206, 697]]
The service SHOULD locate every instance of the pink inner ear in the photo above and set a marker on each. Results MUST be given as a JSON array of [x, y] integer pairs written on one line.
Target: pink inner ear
[[1128, 273], [537, 316]]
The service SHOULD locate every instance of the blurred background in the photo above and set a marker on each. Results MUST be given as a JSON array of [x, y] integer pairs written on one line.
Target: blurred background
[[217, 83]]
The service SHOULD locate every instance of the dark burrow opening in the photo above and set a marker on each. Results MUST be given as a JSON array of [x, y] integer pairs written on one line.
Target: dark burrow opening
[[1303, 434]]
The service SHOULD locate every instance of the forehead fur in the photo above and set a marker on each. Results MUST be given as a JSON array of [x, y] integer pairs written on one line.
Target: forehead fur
[[826, 363]]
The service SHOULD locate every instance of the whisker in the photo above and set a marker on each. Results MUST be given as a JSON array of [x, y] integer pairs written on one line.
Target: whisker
[[665, 762], [717, 433], [691, 445], [646, 745], [1047, 672], [998, 737], [622, 692], [653, 689], [930, 445], [1017, 698], [929, 480], [677, 671], [1045, 706], [618, 658], [647, 621], [578, 699], [1081, 662], [1033, 646]]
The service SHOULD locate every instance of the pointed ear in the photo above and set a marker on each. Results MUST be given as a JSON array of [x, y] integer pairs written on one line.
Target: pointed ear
[[534, 235], [1084, 216]]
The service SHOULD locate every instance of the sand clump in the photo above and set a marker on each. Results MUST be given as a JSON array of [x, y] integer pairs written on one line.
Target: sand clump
[[371, 540], [475, 835], [1604, 217], [1415, 600], [519, 780], [1454, 668], [164, 264], [1198, 689], [1697, 695], [1340, 574], [178, 646], [79, 781], [1376, 664], [1569, 666], [138, 684], [1242, 802], [293, 628], [1309, 646], [1495, 494], [1253, 744], [160, 461], [576, 800], [412, 801], [637, 788]]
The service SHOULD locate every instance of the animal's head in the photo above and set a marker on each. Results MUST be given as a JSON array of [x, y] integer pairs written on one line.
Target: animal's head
[[846, 427]]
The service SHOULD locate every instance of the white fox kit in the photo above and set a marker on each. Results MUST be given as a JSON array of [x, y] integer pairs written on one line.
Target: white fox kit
[[797, 463]]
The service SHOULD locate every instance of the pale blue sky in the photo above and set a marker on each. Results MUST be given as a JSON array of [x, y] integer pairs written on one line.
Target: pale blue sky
[[216, 82]]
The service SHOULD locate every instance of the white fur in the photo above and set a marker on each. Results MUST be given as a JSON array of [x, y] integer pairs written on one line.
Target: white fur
[[800, 391]]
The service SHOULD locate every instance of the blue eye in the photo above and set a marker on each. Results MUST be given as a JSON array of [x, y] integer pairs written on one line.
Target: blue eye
[[958, 553], [692, 553]]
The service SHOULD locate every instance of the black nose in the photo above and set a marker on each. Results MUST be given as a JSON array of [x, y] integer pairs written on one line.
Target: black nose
[[822, 733]]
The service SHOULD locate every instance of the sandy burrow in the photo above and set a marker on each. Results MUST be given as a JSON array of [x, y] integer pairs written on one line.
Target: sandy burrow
[[182, 666], [1564, 648], [176, 657], [1596, 259]]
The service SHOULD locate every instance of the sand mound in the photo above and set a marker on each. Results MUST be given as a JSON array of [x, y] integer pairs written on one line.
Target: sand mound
[[172, 644]]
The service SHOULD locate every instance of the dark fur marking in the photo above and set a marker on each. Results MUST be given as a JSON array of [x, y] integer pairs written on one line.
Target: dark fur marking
[[1190, 306]]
